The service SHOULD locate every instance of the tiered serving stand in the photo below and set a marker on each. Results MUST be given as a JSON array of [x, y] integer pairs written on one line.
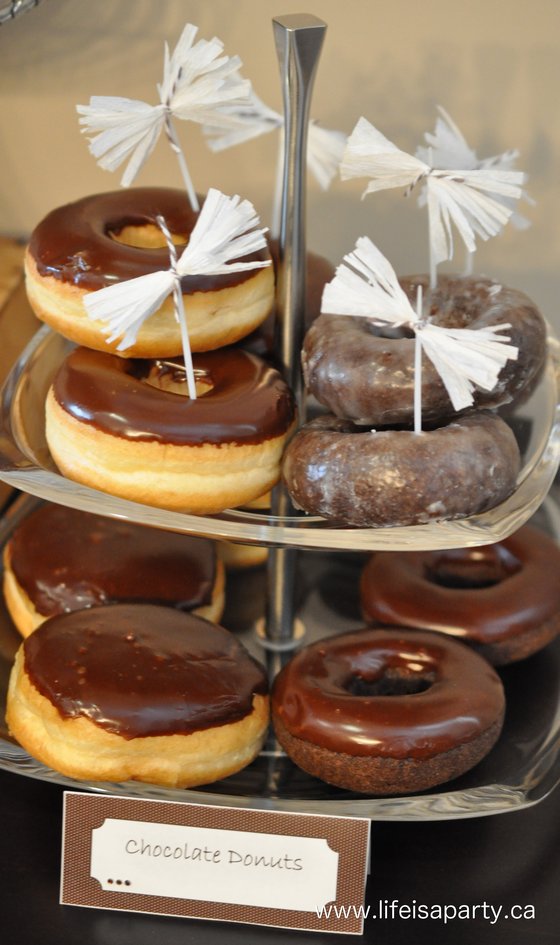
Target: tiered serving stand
[[308, 595]]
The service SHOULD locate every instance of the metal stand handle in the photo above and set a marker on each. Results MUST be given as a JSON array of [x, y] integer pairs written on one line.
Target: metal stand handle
[[299, 39]]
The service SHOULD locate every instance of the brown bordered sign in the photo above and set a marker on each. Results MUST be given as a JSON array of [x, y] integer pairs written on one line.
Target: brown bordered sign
[[293, 871]]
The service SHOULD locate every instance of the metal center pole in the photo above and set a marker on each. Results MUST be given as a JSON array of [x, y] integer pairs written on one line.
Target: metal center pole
[[299, 39]]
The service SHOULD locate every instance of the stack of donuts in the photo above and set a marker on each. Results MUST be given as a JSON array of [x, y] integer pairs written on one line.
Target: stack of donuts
[[362, 464], [413, 700], [120, 421], [121, 674]]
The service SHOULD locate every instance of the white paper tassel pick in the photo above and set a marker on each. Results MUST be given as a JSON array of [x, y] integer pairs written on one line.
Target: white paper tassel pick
[[197, 82], [478, 203], [366, 285], [227, 229], [447, 147]]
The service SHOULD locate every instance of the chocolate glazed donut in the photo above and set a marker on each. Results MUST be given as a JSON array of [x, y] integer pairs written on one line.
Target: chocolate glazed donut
[[60, 560], [134, 691], [128, 428], [364, 373], [108, 238], [397, 477], [387, 712], [503, 599]]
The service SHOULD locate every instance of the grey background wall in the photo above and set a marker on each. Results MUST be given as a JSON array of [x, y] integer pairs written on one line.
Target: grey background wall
[[495, 66]]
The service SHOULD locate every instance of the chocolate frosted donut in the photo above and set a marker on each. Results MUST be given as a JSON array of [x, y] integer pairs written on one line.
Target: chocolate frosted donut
[[113, 237], [387, 712], [128, 428], [398, 477], [59, 560], [137, 692], [504, 599], [366, 374]]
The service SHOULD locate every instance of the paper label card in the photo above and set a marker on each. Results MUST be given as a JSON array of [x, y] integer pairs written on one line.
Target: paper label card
[[237, 865]]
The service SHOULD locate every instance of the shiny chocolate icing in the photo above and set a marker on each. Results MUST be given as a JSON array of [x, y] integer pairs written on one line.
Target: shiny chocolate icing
[[248, 402], [65, 560], [334, 694], [483, 595], [138, 670], [365, 373], [75, 243]]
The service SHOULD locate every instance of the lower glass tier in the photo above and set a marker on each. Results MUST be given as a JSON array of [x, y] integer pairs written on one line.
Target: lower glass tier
[[523, 767]]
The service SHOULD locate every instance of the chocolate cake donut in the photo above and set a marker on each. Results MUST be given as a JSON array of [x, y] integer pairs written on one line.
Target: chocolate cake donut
[[397, 477], [364, 373], [387, 712], [503, 599]]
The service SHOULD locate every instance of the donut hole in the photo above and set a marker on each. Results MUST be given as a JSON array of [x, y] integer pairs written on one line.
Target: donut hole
[[392, 682], [387, 331], [144, 236], [170, 376], [473, 569]]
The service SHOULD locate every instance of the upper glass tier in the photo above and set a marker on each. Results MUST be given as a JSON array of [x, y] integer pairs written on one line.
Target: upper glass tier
[[25, 464]]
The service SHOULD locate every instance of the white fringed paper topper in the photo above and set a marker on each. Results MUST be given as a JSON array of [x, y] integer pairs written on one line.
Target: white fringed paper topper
[[197, 82], [227, 229], [477, 202], [447, 147], [366, 285]]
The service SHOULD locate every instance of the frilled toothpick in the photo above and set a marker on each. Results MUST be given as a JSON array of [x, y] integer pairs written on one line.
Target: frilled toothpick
[[197, 82], [447, 147], [477, 202], [227, 229], [324, 147], [366, 285]]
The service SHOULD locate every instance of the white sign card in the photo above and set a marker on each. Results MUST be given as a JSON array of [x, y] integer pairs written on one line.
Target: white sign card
[[238, 865]]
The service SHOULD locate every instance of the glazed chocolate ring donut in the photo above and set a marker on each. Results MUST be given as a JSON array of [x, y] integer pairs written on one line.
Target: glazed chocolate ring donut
[[113, 237], [137, 692], [112, 425], [60, 560], [387, 712], [398, 477], [504, 599], [364, 373]]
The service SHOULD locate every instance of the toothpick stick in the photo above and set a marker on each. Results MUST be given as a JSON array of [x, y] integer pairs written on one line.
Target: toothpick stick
[[179, 308], [418, 367]]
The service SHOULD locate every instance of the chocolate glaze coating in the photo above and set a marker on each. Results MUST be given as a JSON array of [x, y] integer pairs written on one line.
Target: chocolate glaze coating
[[504, 598], [397, 477], [336, 694], [249, 401], [138, 670], [74, 243], [66, 560], [360, 375]]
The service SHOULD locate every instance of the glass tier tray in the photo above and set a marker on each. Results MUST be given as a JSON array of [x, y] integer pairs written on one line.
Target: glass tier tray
[[521, 770], [25, 464]]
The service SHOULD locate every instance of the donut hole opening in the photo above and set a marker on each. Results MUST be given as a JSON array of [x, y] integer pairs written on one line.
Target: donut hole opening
[[144, 236], [170, 376], [388, 331], [473, 569], [391, 683]]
